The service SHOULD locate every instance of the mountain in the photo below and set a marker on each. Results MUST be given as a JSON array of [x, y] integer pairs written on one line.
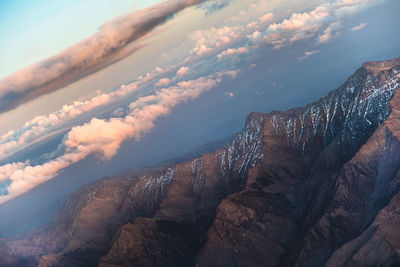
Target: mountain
[[311, 186]]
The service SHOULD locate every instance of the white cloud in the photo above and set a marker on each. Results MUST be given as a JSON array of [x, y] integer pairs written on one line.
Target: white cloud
[[267, 17], [230, 94], [298, 26], [163, 82], [359, 27], [182, 72], [308, 54], [215, 38], [323, 22], [233, 51]]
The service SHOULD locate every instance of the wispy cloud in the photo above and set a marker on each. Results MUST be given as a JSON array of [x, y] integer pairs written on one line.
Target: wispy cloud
[[308, 54], [115, 40], [331, 32], [359, 27]]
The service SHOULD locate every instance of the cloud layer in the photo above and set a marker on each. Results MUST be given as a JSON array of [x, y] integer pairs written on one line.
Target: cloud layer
[[104, 137], [115, 40]]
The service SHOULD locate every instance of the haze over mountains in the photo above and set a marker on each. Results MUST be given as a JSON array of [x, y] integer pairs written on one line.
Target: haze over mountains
[[306, 187]]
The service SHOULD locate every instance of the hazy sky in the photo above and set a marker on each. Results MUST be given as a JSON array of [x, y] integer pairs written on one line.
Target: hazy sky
[[164, 76]]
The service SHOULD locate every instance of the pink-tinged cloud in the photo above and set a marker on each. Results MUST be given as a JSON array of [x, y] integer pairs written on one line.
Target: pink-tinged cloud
[[104, 137], [213, 38], [233, 51], [40, 126], [267, 17], [323, 21], [115, 40], [163, 82], [182, 71]]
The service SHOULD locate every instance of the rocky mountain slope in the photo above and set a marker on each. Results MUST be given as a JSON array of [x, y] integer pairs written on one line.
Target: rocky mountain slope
[[311, 186]]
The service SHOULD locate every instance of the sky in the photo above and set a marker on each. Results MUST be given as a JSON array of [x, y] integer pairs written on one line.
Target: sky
[[137, 82]]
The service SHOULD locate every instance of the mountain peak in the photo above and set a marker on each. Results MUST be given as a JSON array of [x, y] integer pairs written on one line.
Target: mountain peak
[[377, 66]]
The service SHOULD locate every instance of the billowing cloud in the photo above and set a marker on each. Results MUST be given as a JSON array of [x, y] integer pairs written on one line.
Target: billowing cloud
[[298, 26], [320, 25], [210, 39], [163, 82], [35, 129], [267, 17], [103, 137], [233, 51], [322, 22], [115, 40], [182, 71], [359, 27]]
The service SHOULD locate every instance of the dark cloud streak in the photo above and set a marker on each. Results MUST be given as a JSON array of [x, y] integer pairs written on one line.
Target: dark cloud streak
[[115, 40]]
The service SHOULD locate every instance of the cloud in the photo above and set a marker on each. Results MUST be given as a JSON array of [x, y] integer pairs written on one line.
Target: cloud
[[230, 94], [163, 82], [267, 17], [182, 72], [115, 40], [103, 137], [40, 126], [298, 26], [323, 22], [213, 38], [329, 33], [233, 51], [359, 27], [308, 54]]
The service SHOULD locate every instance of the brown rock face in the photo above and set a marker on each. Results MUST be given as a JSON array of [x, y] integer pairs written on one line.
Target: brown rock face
[[311, 186], [378, 245]]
